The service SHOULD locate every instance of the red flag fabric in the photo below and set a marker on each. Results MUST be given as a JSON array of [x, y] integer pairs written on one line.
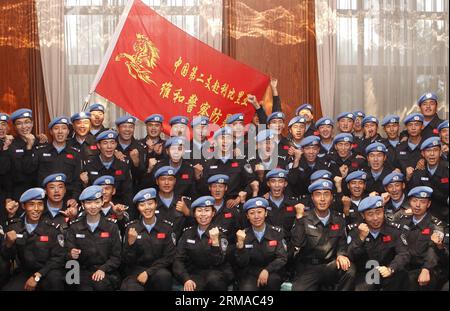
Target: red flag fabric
[[152, 66]]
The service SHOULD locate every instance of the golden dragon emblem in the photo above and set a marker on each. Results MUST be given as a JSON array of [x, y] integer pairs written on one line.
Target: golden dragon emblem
[[143, 60]]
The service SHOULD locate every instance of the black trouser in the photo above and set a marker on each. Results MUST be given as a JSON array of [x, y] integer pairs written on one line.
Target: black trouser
[[109, 283], [249, 283], [397, 281], [311, 277], [52, 281], [414, 284], [161, 280], [210, 280]]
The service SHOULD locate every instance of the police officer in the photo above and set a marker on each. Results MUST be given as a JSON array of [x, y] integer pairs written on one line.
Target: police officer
[[5, 141], [417, 229], [378, 168], [261, 251], [200, 261], [345, 124], [307, 111], [58, 157], [148, 247], [435, 175], [397, 205], [325, 128], [318, 240], [57, 209], [201, 148], [94, 241], [391, 126], [238, 170], [179, 126], [107, 164], [153, 141], [443, 134], [110, 210], [297, 130], [170, 205], [371, 135], [129, 149], [408, 151], [275, 123], [348, 204], [378, 246], [83, 141], [97, 117], [241, 150], [225, 217], [38, 246], [358, 126]]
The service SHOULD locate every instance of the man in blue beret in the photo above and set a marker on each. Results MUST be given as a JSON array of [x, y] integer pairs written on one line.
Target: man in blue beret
[[398, 205], [325, 128], [378, 250], [129, 149], [153, 140], [435, 176], [318, 238], [94, 241], [107, 164], [377, 168], [348, 201], [417, 229], [97, 116], [83, 141], [297, 130], [443, 134], [428, 104], [37, 245], [306, 110], [276, 123], [200, 148], [391, 127], [57, 157], [358, 127], [240, 139], [345, 122], [408, 151], [179, 126], [5, 160], [371, 135]]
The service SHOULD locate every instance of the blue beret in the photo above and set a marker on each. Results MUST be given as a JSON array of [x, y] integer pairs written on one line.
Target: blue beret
[[200, 121], [349, 115], [346, 137], [155, 118], [32, 194], [178, 141], [235, 117], [297, 119], [414, 117], [392, 178], [369, 119], [96, 107], [310, 141], [427, 96], [256, 203], [360, 114], [356, 175], [277, 173], [59, 120], [60, 177], [276, 115], [165, 171], [304, 106], [421, 192], [430, 143], [144, 195], [320, 184], [125, 119], [104, 180], [321, 174], [109, 134], [21, 113], [223, 131], [80, 116], [376, 147], [392, 118], [218, 179], [371, 202], [324, 121], [179, 120], [265, 134], [443, 125], [203, 202], [4, 117], [91, 193]]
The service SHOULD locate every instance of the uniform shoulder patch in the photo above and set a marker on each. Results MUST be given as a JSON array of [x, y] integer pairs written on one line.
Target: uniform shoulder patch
[[130, 223], [168, 222], [277, 229], [395, 225], [188, 228]]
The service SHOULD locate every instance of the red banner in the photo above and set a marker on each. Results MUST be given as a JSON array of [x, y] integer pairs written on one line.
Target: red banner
[[153, 66]]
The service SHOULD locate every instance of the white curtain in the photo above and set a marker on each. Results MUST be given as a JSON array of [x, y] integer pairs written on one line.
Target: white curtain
[[89, 25], [388, 53], [325, 20], [50, 15]]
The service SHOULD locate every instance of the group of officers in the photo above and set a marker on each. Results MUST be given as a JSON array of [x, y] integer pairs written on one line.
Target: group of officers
[[333, 205]]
